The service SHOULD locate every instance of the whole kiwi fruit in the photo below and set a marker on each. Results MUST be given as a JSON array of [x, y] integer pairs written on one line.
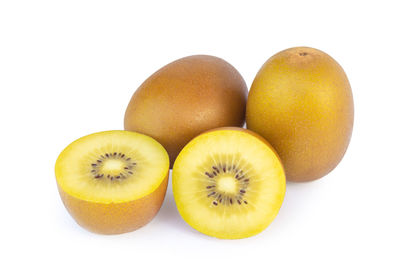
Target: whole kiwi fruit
[[301, 102], [185, 98]]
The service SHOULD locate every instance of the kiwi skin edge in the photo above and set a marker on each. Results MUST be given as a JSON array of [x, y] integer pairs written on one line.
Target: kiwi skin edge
[[115, 218], [251, 133]]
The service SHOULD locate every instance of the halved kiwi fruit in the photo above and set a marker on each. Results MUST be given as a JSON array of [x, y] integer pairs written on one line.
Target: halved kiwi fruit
[[114, 181], [228, 183]]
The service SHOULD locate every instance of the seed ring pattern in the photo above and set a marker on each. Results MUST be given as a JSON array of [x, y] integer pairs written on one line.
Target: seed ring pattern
[[128, 168], [223, 198]]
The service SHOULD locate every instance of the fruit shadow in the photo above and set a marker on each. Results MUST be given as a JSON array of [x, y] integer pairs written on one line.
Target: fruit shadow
[[298, 198], [169, 215], [168, 212]]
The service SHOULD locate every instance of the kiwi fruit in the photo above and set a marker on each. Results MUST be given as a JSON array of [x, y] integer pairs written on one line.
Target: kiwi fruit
[[301, 102], [185, 98], [228, 183], [113, 182]]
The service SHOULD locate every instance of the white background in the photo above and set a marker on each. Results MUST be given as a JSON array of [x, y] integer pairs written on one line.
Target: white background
[[69, 68]]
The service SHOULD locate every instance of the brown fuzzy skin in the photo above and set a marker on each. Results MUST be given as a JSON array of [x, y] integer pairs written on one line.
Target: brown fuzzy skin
[[185, 98], [115, 218], [301, 102]]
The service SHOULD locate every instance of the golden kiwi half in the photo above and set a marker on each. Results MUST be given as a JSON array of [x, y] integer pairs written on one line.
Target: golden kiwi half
[[228, 183], [114, 181]]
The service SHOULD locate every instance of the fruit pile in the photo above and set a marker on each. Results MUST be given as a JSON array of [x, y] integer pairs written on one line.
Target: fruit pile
[[228, 182]]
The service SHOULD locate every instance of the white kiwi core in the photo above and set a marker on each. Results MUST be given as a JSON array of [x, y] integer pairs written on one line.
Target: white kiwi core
[[227, 184], [112, 166]]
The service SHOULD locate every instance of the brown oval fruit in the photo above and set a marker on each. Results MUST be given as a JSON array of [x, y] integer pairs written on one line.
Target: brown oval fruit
[[186, 98], [301, 102]]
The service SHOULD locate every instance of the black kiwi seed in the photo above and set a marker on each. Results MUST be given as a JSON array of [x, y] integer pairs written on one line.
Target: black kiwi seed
[[215, 168], [215, 203], [209, 175]]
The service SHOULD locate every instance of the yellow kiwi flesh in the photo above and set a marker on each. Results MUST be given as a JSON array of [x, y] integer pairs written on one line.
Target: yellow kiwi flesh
[[185, 98], [301, 102], [114, 181], [228, 183]]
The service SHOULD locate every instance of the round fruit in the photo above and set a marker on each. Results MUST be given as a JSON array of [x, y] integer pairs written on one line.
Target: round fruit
[[301, 102], [114, 181], [228, 183], [185, 98]]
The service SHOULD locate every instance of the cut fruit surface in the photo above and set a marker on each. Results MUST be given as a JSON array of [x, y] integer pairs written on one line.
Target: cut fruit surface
[[113, 181], [112, 166], [228, 183]]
